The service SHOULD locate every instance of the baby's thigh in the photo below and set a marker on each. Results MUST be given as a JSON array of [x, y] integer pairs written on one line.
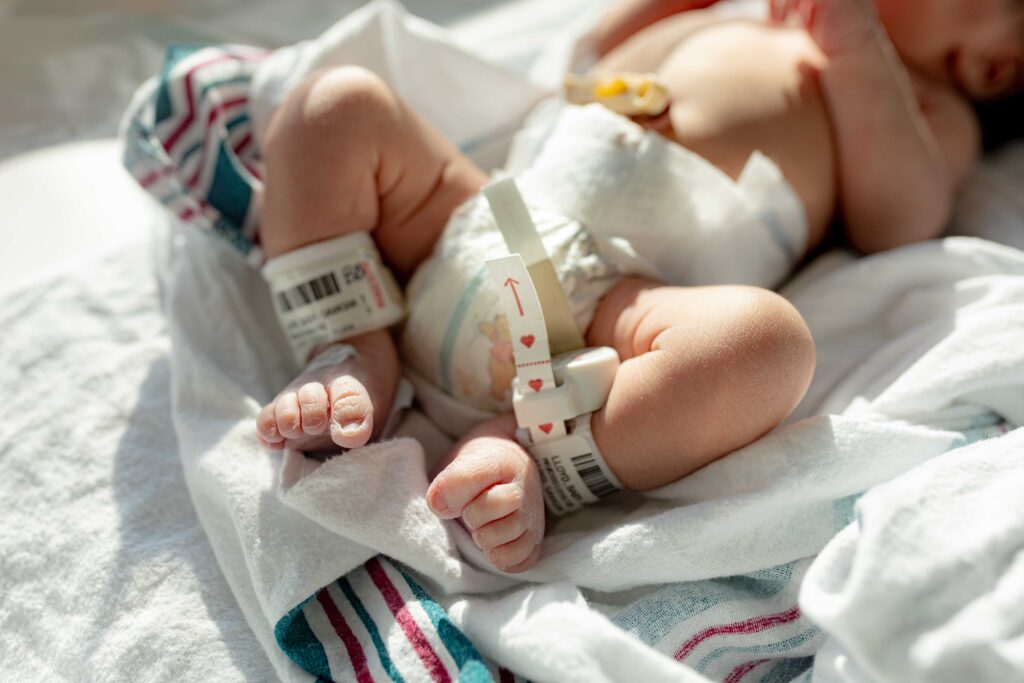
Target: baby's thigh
[[635, 315], [345, 153], [716, 366]]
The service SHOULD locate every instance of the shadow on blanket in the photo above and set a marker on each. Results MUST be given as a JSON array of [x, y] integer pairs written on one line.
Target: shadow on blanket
[[158, 526]]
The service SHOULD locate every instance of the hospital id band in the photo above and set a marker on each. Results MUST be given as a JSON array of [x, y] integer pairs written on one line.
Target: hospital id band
[[582, 381], [332, 290], [553, 398], [573, 472]]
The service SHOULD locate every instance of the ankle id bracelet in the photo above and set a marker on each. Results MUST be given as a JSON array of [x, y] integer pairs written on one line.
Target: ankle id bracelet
[[553, 396], [332, 290]]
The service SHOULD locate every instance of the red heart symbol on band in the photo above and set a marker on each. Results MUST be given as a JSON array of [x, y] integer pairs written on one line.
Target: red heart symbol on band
[[546, 428], [528, 340], [536, 384]]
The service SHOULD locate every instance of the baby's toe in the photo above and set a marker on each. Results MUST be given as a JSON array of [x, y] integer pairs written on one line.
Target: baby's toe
[[501, 531], [351, 413], [286, 412], [266, 426], [530, 560], [313, 408], [483, 463], [516, 555], [494, 503]]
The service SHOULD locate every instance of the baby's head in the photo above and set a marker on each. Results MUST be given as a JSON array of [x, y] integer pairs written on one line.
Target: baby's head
[[975, 45]]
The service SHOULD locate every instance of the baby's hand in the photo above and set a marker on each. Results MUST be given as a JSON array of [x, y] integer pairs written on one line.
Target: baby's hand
[[837, 26]]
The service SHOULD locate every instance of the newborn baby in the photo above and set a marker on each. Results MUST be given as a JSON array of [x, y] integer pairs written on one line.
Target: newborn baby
[[832, 110]]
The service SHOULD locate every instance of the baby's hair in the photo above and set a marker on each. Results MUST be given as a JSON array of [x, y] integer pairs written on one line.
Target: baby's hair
[[1002, 120]]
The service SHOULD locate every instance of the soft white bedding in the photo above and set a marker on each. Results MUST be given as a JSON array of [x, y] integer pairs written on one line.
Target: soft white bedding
[[103, 564]]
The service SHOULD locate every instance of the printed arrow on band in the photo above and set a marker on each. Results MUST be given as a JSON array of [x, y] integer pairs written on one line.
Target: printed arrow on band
[[526, 322]]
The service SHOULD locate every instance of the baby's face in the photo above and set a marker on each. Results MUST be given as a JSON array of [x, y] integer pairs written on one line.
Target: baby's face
[[975, 45]]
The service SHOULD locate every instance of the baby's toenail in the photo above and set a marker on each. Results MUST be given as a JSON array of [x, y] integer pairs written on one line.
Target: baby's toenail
[[349, 428], [438, 502], [345, 432]]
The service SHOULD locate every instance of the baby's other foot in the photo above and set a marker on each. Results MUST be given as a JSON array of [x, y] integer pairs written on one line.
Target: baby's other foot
[[336, 399], [493, 485]]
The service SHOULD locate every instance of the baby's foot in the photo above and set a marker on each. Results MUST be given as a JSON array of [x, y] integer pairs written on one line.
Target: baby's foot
[[335, 400], [494, 486]]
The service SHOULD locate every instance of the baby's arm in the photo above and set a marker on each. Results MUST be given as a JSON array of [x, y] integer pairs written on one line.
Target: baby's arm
[[630, 16], [901, 160]]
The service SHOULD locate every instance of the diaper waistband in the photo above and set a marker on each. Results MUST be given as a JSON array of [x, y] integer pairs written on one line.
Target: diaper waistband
[[649, 198]]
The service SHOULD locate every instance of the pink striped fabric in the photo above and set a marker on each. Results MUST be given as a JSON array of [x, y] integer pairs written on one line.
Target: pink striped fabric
[[743, 669], [404, 619], [183, 126], [341, 627], [748, 626]]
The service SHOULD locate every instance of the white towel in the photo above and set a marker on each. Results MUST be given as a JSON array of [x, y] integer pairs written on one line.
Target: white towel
[[928, 583]]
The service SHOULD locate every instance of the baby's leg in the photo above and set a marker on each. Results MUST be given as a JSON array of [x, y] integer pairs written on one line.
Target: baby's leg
[[705, 370], [345, 154]]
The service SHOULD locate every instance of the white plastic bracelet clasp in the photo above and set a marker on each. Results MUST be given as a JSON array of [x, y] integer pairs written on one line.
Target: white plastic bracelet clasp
[[573, 472], [583, 379], [332, 290]]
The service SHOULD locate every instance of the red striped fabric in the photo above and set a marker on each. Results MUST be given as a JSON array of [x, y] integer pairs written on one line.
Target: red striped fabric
[[743, 669], [153, 176], [341, 627], [215, 113], [749, 626], [243, 143], [417, 639], [171, 139]]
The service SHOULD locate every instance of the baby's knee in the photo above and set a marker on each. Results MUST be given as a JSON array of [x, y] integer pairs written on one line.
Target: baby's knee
[[779, 349], [344, 103]]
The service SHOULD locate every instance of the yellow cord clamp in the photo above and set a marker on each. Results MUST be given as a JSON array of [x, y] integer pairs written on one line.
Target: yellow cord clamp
[[625, 93]]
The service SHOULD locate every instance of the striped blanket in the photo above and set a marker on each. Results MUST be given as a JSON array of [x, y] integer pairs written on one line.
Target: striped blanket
[[194, 150], [378, 624]]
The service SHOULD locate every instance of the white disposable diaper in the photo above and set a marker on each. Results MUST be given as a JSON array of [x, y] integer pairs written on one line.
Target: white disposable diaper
[[609, 199]]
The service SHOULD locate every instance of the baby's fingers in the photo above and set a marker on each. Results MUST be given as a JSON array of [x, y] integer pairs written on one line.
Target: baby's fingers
[[780, 11], [798, 12], [776, 10], [839, 26]]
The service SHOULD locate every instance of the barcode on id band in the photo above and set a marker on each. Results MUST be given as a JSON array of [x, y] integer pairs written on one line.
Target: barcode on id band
[[592, 476], [308, 292]]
